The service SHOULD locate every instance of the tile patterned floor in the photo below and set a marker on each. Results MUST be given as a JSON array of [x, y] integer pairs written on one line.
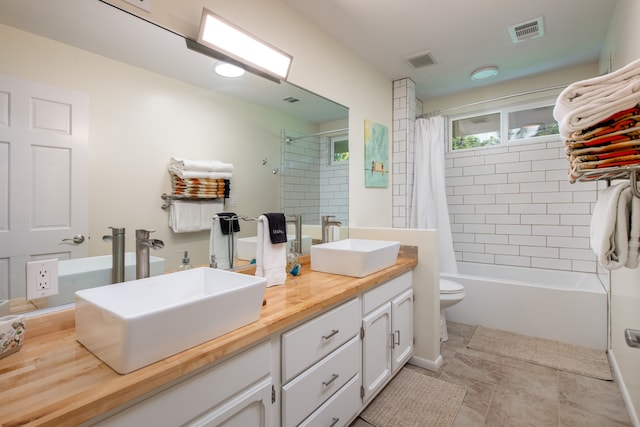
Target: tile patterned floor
[[508, 392]]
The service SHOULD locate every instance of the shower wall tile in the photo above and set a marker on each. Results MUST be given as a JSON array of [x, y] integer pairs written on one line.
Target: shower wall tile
[[513, 205]]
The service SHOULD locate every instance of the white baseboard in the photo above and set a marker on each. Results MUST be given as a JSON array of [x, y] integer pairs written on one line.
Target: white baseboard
[[432, 365], [633, 414]]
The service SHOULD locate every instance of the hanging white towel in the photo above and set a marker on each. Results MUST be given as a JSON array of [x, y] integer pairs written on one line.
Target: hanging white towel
[[271, 259], [609, 231], [208, 209], [185, 217], [192, 216], [634, 235]]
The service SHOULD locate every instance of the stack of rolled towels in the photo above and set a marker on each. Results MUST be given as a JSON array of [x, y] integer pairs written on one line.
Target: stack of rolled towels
[[599, 121], [200, 178]]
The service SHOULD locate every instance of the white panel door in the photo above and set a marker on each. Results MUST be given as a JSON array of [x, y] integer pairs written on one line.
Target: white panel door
[[43, 177]]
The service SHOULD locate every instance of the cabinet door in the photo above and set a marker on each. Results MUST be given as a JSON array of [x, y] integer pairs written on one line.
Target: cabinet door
[[376, 350], [251, 408], [402, 327]]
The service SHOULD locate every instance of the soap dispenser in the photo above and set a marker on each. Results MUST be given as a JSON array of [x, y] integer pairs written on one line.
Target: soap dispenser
[[185, 262], [293, 262]]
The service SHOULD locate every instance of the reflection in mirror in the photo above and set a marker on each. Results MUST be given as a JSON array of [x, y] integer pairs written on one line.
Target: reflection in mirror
[[149, 98]]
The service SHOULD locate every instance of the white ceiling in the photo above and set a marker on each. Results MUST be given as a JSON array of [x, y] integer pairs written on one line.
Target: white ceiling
[[463, 35]]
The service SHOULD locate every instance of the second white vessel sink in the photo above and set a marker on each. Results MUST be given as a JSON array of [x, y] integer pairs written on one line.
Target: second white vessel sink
[[133, 324], [354, 257]]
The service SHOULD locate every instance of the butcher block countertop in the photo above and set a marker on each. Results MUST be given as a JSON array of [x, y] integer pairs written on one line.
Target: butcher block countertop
[[54, 381]]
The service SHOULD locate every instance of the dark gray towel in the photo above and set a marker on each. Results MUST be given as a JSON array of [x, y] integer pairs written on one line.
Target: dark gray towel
[[228, 222], [277, 227]]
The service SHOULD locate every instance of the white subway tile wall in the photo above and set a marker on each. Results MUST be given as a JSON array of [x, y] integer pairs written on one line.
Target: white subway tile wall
[[513, 205], [404, 114], [311, 187]]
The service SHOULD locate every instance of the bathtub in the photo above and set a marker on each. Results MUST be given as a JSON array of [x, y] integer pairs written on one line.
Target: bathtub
[[570, 307]]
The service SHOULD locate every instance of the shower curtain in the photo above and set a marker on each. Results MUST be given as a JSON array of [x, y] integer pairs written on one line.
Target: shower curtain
[[429, 199]]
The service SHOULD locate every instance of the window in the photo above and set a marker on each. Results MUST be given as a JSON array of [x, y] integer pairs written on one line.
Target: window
[[338, 149], [519, 123]]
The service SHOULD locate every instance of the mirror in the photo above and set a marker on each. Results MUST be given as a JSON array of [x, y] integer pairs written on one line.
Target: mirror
[[150, 98]]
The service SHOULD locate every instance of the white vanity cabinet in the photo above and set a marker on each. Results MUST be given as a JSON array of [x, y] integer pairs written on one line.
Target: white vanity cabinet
[[321, 362], [387, 342], [236, 392]]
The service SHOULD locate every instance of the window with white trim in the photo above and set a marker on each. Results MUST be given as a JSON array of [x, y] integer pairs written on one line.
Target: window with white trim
[[532, 121]]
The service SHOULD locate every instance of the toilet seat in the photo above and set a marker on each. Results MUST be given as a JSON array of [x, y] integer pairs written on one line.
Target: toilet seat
[[449, 287]]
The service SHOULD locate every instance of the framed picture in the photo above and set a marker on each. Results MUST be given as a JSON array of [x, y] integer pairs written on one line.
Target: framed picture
[[376, 155], [338, 149]]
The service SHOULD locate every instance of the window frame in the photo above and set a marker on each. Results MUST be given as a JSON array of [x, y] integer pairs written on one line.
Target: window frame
[[504, 124]]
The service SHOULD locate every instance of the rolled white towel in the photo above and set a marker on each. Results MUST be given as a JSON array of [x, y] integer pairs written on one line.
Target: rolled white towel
[[586, 91], [597, 111], [189, 174], [609, 232], [201, 165]]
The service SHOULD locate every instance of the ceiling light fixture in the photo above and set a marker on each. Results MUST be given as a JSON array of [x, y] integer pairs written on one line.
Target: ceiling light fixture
[[225, 69], [223, 40], [484, 73]]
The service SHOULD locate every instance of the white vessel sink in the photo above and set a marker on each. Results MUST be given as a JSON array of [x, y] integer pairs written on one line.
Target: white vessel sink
[[354, 257], [133, 324], [84, 273], [247, 246]]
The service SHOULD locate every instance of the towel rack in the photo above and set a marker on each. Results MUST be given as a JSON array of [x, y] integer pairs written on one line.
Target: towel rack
[[611, 173], [170, 197]]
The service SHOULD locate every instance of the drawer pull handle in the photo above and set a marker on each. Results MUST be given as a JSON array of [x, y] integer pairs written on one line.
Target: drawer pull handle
[[398, 337], [334, 421], [333, 332], [333, 378]]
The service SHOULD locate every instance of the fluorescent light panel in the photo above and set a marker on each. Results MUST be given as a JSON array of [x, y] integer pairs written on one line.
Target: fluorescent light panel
[[221, 35]]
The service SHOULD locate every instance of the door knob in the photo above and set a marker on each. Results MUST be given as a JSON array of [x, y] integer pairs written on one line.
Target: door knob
[[77, 239]]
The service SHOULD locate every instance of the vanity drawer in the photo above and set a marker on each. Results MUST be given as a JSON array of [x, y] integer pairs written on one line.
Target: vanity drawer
[[309, 390], [305, 345], [385, 292], [339, 409]]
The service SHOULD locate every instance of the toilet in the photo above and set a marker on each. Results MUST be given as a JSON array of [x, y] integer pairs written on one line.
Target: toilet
[[451, 293]]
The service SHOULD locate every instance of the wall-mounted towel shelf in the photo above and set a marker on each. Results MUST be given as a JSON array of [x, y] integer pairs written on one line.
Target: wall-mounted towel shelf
[[170, 197], [609, 174]]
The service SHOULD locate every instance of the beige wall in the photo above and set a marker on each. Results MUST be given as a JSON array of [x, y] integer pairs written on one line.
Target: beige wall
[[623, 46]]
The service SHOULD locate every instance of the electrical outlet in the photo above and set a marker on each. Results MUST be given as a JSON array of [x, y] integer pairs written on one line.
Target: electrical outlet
[[142, 4], [42, 278]]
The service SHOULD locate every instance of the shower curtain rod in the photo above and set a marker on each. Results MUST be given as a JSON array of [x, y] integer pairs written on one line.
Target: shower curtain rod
[[499, 98], [290, 139]]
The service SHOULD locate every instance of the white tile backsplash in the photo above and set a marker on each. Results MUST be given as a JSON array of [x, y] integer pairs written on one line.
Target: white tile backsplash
[[537, 219]]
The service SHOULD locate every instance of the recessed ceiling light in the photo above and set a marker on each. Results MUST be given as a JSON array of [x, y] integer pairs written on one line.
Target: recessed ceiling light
[[228, 70], [484, 73]]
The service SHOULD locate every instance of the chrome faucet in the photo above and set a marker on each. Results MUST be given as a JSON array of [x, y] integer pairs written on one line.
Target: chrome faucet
[[117, 253], [143, 243], [296, 220], [326, 223]]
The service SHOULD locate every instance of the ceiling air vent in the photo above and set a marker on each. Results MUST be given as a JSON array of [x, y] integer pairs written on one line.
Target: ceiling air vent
[[526, 30], [290, 99], [421, 60]]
